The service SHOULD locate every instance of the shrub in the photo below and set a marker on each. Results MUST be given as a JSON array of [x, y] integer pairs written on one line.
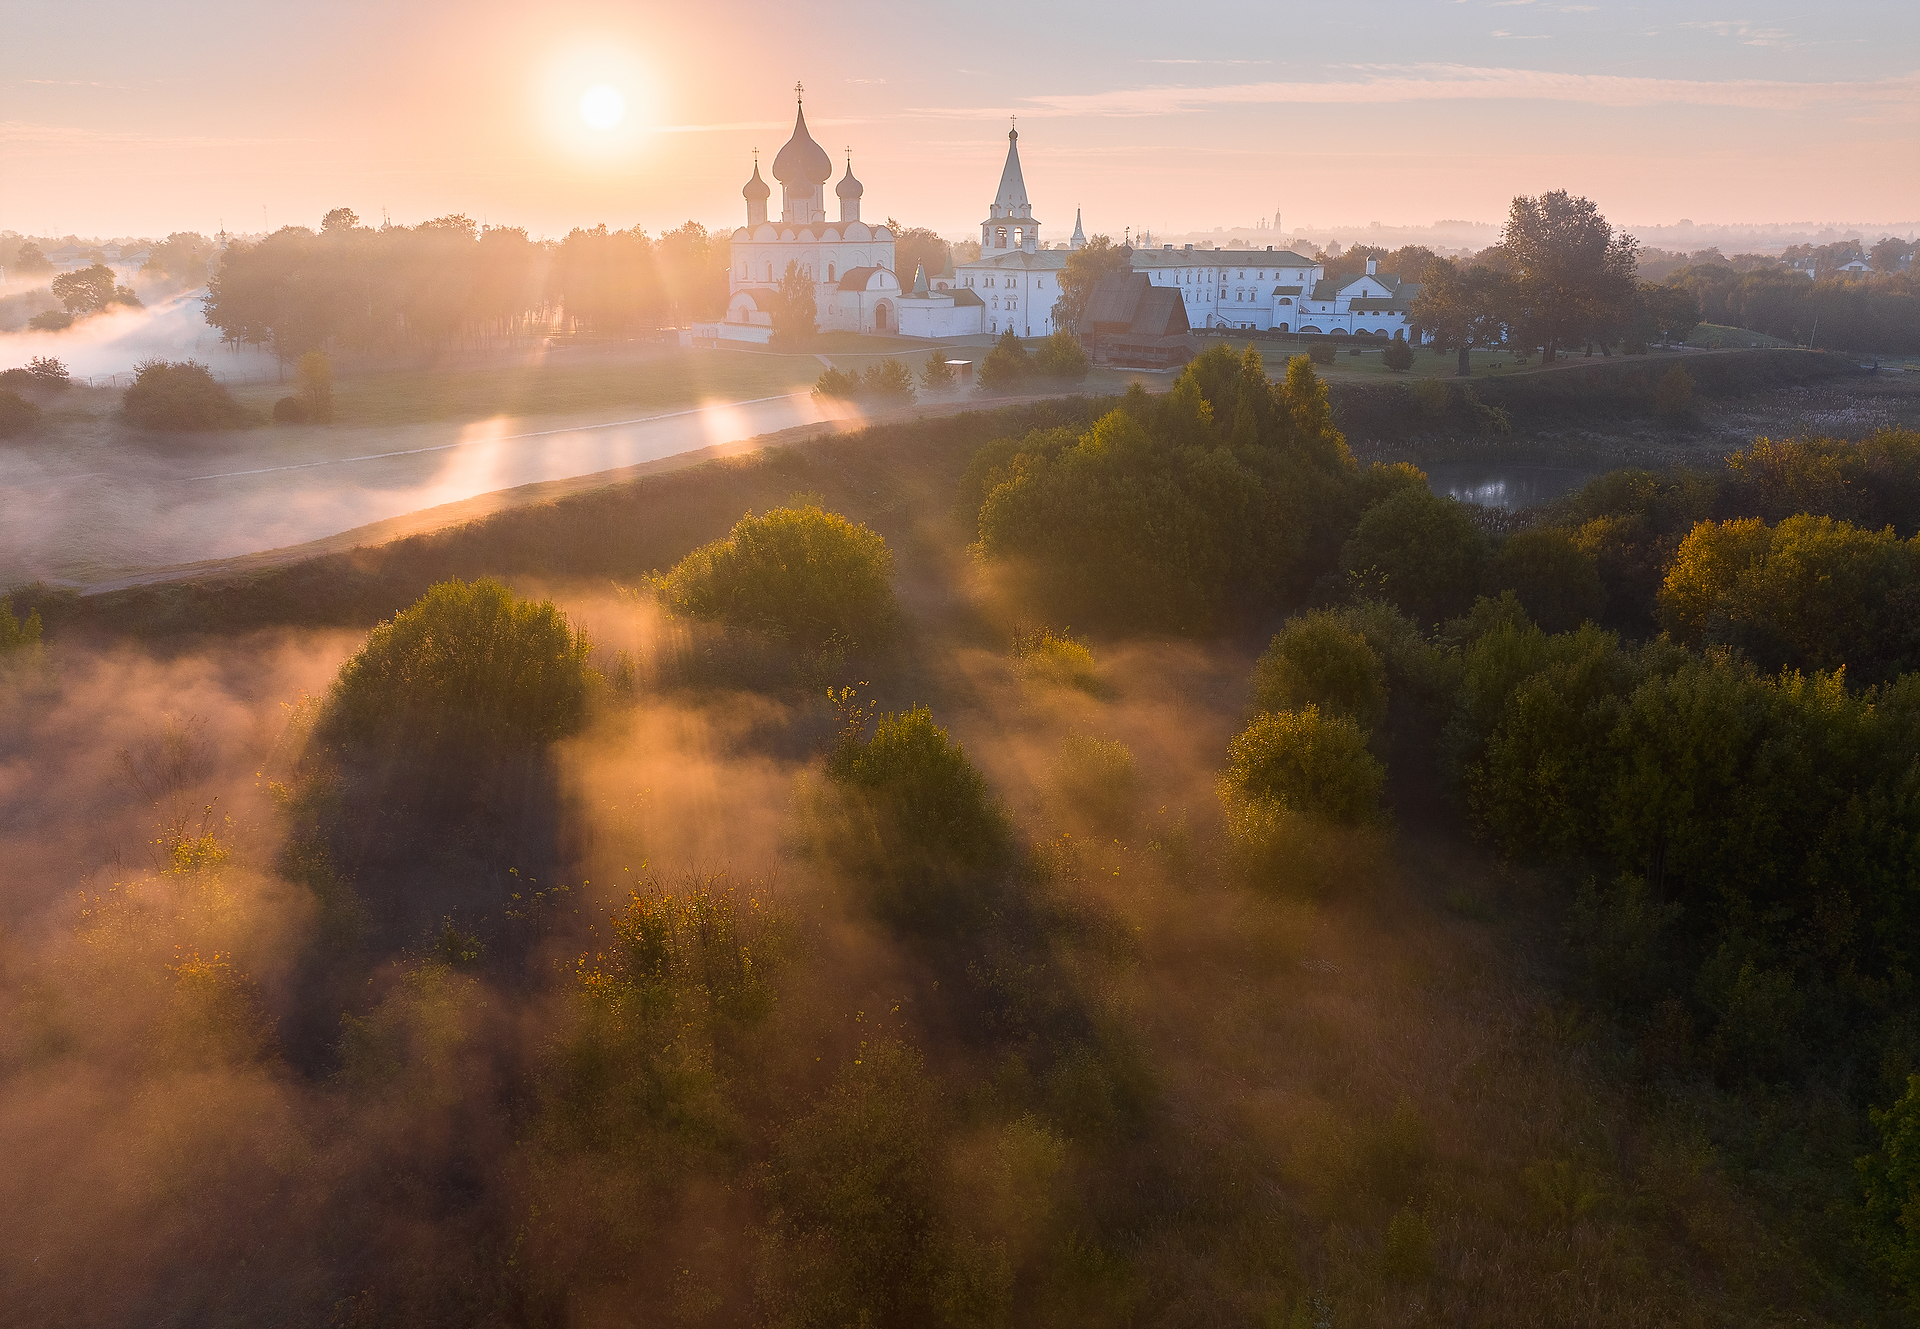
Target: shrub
[[314, 377], [798, 573], [1890, 1186], [1318, 660], [1418, 550], [471, 671], [911, 819], [1399, 355], [889, 380], [1007, 365], [1322, 353], [290, 411], [1056, 658], [17, 414], [1062, 356], [1434, 396], [1557, 582], [17, 634], [837, 384], [53, 320], [1810, 592], [1097, 782], [1305, 762], [937, 373], [43, 371], [181, 395], [857, 1233], [1229, 484], [1674, 395]]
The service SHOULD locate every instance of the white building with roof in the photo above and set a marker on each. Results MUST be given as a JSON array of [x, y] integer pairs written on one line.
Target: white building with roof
[[849, 262], [1015, 282], [1278, 290]]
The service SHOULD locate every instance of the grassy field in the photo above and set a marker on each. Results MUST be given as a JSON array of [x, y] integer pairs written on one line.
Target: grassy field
[[586, 381], [1715, 337]]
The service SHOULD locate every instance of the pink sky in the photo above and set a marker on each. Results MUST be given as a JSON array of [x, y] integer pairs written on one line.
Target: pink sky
[[117, 119]]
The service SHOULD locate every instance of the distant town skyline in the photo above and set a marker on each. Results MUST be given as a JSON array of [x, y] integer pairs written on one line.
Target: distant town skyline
[[117, 119]]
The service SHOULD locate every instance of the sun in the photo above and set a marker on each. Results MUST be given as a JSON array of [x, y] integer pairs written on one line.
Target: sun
[[602, 107], [598, 100]]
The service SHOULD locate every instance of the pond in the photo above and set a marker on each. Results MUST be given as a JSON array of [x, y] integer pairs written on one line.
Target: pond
[[1504, 484]]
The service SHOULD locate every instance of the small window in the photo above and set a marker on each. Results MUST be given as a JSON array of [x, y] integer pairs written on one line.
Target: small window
[[829, 272]]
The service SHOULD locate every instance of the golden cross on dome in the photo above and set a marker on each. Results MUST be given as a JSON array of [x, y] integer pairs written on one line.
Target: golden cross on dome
[[797, 90]]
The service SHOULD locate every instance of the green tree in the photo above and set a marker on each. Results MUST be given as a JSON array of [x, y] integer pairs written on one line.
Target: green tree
[[179, 396], [1399, 355], [1885, 256], [1420, 551], [1672, 311], [1228, 486], [469, 673], [1085, 267], [855, 1233], [1558, 583], [888, 380], [30, 261], [1811, 593], [801, 573], [1317, 659], [314, 378], [1890, 1194], [1460, 310], [339, 219], [1576, 278], [1061, 356], [90, 290], [1306, 762], [795, 314], [937, 374], [915, 247], [837, 384], [182, 256], [17, 634], [1007, 365]]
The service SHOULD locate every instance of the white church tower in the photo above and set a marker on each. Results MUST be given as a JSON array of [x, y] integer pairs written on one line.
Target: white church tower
[[1010, 222]]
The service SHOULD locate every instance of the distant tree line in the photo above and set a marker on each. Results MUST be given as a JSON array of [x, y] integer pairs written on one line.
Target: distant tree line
[[1877, 313], [452, 282]]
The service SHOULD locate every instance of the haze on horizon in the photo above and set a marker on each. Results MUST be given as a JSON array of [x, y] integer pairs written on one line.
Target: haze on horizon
[[117, 119]]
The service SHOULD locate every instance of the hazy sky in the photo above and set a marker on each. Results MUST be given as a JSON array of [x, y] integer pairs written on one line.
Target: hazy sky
[[136, 118]]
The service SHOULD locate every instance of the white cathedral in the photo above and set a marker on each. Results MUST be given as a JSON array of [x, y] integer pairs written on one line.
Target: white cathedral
[[1015, 282], [851, 264]]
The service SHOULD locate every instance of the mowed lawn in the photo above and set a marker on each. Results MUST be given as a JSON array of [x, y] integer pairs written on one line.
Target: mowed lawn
[[664, 380]]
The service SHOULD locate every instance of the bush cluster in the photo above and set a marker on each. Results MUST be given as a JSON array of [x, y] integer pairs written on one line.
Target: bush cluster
[[17, 414], [797, 573], [1060, 358], [1168, 510], [886, 381], [179, 396], [470, 673]]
